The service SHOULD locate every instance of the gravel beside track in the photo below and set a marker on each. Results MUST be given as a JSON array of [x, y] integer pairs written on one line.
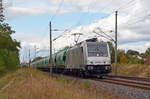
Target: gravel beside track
[[122, 92]]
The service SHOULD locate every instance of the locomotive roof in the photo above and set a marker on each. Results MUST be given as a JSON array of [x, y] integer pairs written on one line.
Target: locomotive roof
[[92, 40]]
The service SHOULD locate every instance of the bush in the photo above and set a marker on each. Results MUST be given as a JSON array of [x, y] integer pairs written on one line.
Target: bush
[[9, 61], [123, 59]]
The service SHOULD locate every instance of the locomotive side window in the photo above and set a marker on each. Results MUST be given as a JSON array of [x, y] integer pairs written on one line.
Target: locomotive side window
[[82, 49]]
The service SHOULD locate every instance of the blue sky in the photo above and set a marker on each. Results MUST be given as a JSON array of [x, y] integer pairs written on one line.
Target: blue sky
[[40, 24], [30, 19]]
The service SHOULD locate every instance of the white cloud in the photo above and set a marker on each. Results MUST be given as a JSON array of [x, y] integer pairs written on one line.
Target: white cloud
[[136, 46], [133, 20], [132, 27], [38, 7], [29, 41], [32, 40], [14, 12]]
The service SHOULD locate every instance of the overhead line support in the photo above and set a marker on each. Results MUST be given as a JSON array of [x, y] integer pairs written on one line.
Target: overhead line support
[[50, 59], [116, 27]]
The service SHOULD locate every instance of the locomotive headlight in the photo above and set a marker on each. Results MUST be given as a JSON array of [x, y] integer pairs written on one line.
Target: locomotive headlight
[[89, 62], [107, 62]]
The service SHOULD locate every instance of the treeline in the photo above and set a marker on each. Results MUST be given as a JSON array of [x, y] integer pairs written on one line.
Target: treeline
[[9, 48], [130, 56]]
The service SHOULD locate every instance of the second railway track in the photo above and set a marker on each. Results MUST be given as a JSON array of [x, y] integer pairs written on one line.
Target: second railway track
[[134, 82], [127, 81]]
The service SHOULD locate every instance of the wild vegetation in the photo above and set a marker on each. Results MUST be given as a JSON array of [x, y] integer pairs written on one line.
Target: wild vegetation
[[131, 62], [9, 53], [137, 70], [33, 84], [130, 56]]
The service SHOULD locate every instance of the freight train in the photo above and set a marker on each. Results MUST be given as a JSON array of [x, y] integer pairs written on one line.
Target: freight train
[[87, 58]]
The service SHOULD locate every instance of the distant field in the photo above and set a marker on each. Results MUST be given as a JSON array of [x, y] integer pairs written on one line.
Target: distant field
[[139, 70], [34, 84]]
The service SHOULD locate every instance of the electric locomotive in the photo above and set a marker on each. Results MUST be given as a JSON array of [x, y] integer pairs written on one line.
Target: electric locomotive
[[87, 58]]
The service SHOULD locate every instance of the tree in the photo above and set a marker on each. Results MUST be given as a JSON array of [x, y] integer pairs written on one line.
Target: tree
[[1, 12], [147, 53], [132, 52], [9, 48], [120, 53]]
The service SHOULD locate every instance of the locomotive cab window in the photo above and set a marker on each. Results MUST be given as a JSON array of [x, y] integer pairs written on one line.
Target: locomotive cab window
[[97, 50]]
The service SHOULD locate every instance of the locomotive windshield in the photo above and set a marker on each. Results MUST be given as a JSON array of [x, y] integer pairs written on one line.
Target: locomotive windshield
[[97, 50]]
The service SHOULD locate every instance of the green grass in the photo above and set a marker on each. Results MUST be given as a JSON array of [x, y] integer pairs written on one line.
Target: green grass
[[63, 80], [86, 84]]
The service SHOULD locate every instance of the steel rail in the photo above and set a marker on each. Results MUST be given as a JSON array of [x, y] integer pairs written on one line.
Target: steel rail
[[146, 79], [134, 83]]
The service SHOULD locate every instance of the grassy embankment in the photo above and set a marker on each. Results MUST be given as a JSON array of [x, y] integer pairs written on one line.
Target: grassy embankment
[[139, 70], [34, 84]]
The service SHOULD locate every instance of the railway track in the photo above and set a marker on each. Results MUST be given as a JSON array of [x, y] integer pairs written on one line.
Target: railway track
[[130, 78], [135, 82]]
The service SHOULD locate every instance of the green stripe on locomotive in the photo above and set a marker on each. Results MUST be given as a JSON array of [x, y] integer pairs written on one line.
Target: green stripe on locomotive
[[60, 58]]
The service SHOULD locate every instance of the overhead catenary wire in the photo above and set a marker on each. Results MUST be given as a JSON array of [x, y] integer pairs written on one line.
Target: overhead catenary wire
[[137, 17], [138, 21], [122, 6], [88, 10], [106, 35], [57, 10], [105, 7], [126, 8], [108, 6], [128, 3], [101, 9], [125, 4], [103, 36], [141, 12], [79, 21]]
